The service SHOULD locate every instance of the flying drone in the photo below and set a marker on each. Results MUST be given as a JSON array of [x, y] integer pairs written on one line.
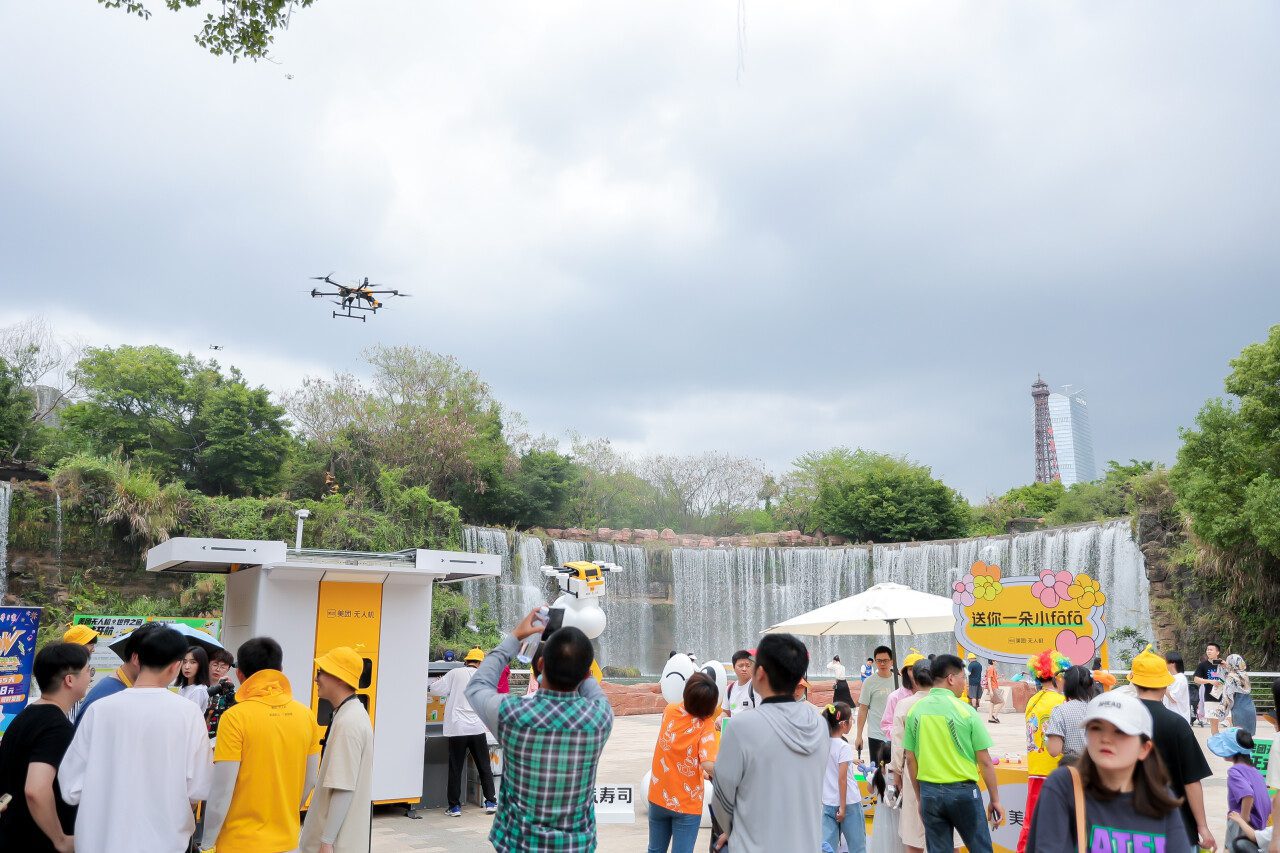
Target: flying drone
[[349, 298], [581, 579]]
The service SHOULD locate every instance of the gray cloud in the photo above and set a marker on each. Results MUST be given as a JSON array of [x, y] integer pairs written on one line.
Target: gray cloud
[[898, 217]]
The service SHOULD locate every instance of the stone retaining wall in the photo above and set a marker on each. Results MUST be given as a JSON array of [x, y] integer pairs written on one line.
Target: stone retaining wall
[[628, 700], [667, 536]]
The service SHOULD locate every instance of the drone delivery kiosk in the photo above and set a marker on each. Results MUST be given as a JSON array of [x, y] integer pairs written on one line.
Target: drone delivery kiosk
[[313, 600]]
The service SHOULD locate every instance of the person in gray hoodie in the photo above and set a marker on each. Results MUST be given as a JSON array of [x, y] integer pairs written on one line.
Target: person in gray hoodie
[[768, 776]]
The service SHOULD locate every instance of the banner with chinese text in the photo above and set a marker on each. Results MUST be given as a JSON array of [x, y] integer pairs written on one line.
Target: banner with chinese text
[[1011, 619], [104, 661], [18, 626]]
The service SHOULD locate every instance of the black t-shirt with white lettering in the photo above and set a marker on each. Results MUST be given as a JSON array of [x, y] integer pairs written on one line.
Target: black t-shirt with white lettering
[[40, 734]]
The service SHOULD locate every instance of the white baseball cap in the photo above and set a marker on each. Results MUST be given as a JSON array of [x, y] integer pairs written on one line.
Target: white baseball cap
[[1125, 712]]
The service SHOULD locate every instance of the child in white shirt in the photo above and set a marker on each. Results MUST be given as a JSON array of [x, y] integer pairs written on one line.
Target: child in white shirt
[[841, 797]]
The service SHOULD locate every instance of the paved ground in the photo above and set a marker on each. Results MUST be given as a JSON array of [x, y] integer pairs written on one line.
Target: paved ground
[[626, 759]]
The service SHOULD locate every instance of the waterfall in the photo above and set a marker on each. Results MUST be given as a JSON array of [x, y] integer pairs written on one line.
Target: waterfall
[[533, 583], [521, 585], [724, 597], [57, 521], [6, 499], [718, 600]]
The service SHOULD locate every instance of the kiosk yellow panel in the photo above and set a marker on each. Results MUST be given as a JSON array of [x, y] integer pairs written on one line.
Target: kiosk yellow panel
[[350, 614]]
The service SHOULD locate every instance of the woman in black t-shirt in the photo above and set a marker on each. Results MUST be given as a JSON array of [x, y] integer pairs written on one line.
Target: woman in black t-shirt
[[1127, 801]]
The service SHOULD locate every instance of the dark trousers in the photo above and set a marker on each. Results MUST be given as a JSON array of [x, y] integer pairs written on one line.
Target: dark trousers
[[878, 750], [956, 806], [459, 746]]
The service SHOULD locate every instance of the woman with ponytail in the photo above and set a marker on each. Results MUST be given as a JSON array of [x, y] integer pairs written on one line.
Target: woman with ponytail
[[841, 798]]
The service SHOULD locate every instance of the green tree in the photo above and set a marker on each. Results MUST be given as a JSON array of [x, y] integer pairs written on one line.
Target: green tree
[[992, 517], [540, 489], [607, 489], [1037, 499], [876, 497], [180, 417], [1228, 472], [16, 405], [241, 29], [418, 411], [1110, 497], [245, 442], [456, 625]]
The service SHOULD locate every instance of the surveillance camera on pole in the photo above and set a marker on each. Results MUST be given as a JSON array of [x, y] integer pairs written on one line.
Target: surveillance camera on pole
[[303, 515]]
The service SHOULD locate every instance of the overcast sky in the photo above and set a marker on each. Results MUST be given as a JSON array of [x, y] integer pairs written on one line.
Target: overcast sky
[[876, 234]]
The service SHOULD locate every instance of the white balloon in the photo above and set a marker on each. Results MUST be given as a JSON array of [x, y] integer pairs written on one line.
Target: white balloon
[[674, 675], [583, 614], [715, 670]]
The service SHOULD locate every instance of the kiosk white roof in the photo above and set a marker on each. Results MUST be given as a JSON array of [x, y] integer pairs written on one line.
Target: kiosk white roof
[[188, 555]]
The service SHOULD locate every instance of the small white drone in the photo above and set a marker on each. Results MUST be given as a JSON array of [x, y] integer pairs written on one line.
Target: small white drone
[[581, 579]]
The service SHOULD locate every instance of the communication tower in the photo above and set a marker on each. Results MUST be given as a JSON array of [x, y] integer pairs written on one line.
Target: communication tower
[[1046, 452]]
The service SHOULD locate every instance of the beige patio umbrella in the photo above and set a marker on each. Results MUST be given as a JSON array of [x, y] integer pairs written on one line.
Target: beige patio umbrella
[[903, 609]]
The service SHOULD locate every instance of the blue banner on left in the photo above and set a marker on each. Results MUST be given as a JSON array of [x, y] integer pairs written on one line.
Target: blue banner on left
[[18, 626]]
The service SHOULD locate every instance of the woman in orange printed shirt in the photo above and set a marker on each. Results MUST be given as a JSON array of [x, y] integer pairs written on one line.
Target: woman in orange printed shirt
[[684, 755]]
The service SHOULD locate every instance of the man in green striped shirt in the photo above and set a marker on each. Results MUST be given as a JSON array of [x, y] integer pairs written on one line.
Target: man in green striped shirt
[[947, 747]]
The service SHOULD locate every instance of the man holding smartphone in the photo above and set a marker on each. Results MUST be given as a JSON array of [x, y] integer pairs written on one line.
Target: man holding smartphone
[[551, 741]]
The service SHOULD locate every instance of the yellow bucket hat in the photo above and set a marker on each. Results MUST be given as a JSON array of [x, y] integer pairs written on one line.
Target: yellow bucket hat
[[344, 664], [1150, 671], [476, 655], [81, 635]]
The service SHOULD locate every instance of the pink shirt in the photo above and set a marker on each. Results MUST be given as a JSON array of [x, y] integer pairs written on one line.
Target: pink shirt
[[886, 724]]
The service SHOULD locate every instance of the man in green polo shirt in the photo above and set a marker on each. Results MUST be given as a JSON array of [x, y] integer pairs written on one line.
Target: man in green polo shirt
[[947, 747]]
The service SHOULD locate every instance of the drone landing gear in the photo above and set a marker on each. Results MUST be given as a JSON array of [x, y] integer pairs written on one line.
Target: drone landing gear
[[359, 317]]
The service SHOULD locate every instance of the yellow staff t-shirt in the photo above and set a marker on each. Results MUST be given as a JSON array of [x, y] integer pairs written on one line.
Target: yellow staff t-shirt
[[1039, 707]]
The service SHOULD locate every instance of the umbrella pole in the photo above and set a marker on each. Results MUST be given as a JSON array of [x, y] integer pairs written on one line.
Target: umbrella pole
[[893, 648]]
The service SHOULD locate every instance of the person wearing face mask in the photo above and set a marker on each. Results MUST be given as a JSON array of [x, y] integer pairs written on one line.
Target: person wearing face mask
[[1117, 797]]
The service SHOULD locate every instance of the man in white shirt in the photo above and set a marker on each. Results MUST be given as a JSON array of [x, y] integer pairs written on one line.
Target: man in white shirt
[[139, 760], [741, 696], [464, 732]]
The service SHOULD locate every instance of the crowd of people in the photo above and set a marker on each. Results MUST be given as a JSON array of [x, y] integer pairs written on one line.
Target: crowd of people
[[230, 765], [161, 757], [1109, 768]]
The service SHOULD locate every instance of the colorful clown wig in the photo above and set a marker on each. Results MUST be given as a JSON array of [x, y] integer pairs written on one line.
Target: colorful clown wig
[[1047, 664]]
